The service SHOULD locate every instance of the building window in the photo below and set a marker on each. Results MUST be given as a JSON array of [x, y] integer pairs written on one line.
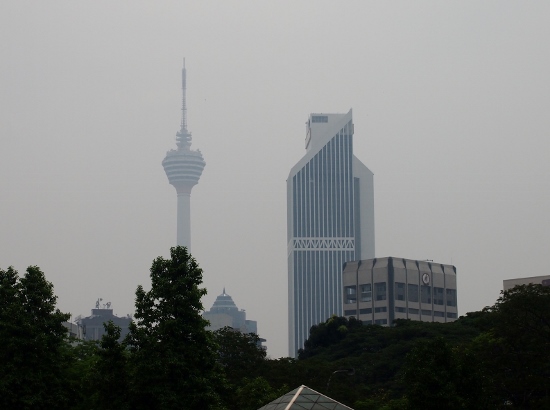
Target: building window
[[425, 294], [381, 322], [380, 290], [439, 314], [400, 309], [438, 296], [413, 293], [366, 311], [350, 294], [319, 118], [451, 315], [366, 292], [399, 291], [451, 297], [413, 311], [380, 309], [426, 312], [351, 312], [367, 322]]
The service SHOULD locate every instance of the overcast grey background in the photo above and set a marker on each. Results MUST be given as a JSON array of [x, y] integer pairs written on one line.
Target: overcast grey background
[[450, 103]]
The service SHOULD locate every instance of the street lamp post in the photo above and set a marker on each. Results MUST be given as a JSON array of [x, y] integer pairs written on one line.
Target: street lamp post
[[349, 372]]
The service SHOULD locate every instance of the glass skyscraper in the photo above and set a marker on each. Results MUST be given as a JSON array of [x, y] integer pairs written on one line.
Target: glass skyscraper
[[330, 221]]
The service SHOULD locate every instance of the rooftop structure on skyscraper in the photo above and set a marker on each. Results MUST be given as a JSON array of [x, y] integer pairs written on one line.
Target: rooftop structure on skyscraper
[[183, 167]]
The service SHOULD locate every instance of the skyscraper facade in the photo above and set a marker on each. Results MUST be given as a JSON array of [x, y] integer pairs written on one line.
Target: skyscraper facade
[[183, 167], [330, 221]]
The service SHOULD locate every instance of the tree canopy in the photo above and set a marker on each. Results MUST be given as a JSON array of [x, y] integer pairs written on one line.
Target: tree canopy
[[32, 337], [173, 355], [498, 357]]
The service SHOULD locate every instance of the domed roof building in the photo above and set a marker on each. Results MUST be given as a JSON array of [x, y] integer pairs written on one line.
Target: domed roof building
[[224, 313]]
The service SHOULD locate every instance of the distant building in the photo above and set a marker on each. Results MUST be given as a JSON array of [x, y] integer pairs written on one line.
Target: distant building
[[224, 313], [73, 330], [541, 280], [92, 326], [330, 220], [378, 291]]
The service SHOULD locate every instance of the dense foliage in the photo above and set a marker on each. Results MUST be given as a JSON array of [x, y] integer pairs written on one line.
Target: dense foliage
[[32, 338], [173, 357], [496, 358]]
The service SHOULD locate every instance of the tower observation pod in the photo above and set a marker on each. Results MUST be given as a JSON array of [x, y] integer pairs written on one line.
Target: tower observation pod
[[183, 167]]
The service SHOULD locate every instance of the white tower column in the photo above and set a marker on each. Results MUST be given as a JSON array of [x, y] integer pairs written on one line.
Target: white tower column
[[184, 220]]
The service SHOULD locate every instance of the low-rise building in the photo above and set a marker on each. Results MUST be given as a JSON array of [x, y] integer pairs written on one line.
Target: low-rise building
[[541, 280], [380, 290]]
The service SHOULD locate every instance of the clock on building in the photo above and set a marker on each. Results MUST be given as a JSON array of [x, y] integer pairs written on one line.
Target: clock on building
[[426, 279]]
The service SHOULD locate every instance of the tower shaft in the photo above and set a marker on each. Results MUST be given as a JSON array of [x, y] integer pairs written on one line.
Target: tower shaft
[[184, 220]]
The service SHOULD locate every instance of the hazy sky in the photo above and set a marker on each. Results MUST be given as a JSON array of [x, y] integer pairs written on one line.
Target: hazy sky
[[450, 104]]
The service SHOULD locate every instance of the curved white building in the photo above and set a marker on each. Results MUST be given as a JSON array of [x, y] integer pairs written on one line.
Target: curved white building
[[183, 167], [330, 221]]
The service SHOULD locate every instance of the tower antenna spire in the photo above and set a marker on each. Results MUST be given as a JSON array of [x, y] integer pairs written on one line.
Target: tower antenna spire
[[183, 100]]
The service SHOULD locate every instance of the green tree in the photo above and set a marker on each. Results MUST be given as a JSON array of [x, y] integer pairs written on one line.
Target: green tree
[[110, 372], [32, 335], [243, 361], [82, 356], [239, 354], [323, 335], [515, 353], [285, 371], [429, 375], [478, 372], [174, 358], [255, 393]]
